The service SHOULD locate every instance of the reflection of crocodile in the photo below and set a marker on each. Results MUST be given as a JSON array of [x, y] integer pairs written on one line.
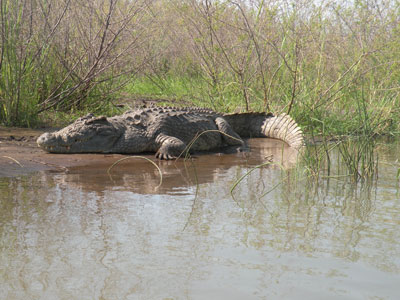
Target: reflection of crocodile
[[168, 131], [178, 177]]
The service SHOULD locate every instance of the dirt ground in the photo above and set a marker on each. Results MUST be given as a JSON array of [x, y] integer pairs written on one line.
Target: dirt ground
[[19, 154]]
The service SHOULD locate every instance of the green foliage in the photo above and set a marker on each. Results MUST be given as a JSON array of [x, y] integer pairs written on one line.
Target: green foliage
[[63, 56], [333, 66]]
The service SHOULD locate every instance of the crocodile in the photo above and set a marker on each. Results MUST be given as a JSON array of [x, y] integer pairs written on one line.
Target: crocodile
[[168, 131]]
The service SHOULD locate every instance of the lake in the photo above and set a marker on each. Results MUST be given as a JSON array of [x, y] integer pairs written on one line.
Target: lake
[[199, 232]]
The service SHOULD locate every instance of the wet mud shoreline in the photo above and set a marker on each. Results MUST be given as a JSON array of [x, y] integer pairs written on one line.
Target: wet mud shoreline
[[19, 154]]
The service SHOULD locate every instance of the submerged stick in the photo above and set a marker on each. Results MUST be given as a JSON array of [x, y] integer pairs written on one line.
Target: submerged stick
[[14, 160], [195, 195]]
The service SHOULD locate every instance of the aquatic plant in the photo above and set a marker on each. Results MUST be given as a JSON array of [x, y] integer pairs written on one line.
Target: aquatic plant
[[359, 157]]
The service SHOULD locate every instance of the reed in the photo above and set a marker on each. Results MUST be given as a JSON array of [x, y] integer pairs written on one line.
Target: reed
[[359, 156]]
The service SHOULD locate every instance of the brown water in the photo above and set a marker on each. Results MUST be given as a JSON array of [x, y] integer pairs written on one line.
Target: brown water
[[85, 234]]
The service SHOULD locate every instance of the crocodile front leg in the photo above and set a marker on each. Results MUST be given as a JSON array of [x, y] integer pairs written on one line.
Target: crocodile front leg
[[170, 147]]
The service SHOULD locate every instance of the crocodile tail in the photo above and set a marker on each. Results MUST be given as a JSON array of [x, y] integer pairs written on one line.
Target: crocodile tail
[[284, 128]]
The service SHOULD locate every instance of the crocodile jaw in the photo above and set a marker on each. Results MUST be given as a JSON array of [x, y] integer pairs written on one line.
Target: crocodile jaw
[[56, 143], [52, 143]]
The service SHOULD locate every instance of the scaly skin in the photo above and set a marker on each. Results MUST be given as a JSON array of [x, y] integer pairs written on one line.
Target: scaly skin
[[167, 131]]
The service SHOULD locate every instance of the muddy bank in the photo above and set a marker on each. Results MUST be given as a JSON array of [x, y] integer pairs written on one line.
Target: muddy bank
[[19, 154]]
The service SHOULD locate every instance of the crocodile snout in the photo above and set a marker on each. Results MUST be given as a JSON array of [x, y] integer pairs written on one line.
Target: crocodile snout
[[44, 139], [50, 142]]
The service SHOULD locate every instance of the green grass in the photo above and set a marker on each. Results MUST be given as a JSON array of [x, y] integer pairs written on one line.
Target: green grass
[[354, 113], [334, 68], [187, 91]]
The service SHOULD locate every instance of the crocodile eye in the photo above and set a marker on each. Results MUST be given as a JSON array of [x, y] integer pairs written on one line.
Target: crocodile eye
[[105, 132]]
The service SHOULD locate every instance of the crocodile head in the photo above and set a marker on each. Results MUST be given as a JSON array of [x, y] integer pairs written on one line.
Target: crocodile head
[[87, 134]]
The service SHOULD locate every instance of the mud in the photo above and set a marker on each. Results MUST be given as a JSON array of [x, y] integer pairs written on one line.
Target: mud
[[19, 154]]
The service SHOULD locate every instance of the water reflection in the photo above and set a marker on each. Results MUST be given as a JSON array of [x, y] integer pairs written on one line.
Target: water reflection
[[178, 177], [82, 235]]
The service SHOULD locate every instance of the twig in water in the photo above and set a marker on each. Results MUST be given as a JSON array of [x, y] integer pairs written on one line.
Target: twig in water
[[195, 196], [250, 171], [14, 160]]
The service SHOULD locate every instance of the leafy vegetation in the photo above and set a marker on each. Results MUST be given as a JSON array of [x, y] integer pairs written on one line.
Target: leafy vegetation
[[333, 65]]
